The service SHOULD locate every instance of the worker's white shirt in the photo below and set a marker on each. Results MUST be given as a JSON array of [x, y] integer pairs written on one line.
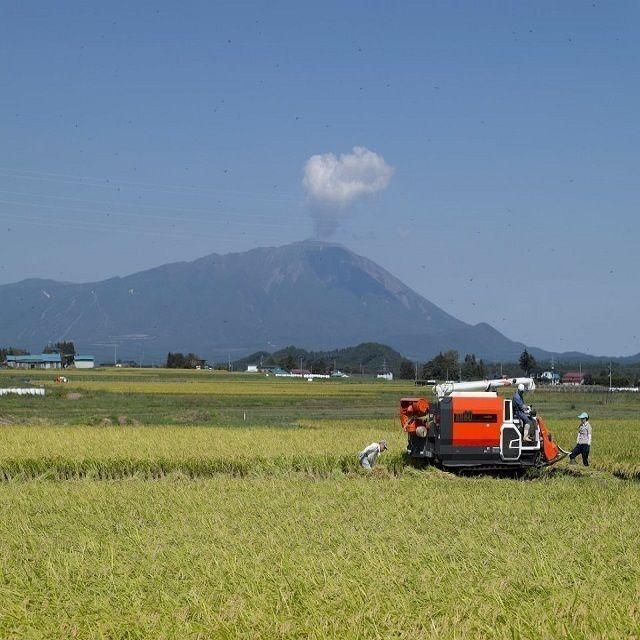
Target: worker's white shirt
[[584, 433], [369, 456]]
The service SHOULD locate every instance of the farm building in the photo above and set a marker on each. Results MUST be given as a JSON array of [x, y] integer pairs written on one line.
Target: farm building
[[252, 368], [40, 361], [273, 369], [550, 376], [84, 362], [573, 377], [384, 375]]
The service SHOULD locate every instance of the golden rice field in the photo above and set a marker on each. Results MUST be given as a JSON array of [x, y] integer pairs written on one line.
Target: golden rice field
[[135, 508], [196, 450]]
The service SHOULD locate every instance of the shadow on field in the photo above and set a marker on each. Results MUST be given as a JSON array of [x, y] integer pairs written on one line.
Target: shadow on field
[[527, 474]]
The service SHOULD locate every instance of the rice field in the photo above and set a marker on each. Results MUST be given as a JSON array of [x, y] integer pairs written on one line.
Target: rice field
[[239, 511]]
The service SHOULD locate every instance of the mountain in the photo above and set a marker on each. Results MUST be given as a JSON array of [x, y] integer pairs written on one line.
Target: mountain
[[316, 295]]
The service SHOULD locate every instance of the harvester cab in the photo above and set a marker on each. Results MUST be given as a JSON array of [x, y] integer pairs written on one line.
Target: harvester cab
[[470, 425]]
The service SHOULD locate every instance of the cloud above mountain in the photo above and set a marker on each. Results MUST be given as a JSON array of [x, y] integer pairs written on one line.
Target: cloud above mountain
[[334, 183]]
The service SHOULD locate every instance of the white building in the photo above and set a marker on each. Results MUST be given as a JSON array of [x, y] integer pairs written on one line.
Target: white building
[[550, 376], [252, 368], [385, 375], [84, 362]]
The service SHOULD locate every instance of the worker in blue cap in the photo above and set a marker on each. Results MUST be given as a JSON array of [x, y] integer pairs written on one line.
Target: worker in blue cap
[[583, 443]]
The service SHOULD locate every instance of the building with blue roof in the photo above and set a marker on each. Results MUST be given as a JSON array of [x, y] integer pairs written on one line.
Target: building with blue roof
[[40, 361]]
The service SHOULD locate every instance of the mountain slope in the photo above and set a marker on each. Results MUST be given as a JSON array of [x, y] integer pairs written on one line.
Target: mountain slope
[[316, 295]]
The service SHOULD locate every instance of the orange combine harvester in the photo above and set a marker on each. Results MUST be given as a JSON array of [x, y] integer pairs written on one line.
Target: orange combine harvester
[[471, 426]]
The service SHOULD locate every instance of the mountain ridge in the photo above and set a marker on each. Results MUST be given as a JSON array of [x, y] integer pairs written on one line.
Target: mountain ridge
[[317, 295]]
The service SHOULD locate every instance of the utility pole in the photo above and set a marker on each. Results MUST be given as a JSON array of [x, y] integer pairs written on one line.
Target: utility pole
[[229, 361], [416, 370], [115, 354], [610, 385]]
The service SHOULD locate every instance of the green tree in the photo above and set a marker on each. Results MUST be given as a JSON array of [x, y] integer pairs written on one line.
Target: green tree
[[176, 361], [319, 365], [192, 361], [287, 363], [66, 349], [11, 351], [527, 362], [473, 369], [444, 366], [407, 370], [180, 361]]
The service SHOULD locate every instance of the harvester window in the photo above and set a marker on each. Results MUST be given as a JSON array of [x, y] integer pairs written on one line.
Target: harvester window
[[507, 410]]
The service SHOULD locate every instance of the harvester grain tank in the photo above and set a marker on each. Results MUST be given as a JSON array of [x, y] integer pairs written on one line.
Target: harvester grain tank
[[469, 425]]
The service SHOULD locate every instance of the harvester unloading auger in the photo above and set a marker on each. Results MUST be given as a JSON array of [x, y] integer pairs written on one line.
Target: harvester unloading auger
[[470, 425]]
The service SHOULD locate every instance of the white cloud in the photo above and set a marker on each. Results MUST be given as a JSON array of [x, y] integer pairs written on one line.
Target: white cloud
[[333, 184], [338, 182]]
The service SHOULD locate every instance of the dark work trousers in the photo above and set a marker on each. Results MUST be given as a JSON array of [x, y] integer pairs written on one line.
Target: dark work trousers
[[581, 449], [526, 420]]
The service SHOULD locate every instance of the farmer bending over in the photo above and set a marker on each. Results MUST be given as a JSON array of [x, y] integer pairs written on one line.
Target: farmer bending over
[[369, 456], [583, 445]]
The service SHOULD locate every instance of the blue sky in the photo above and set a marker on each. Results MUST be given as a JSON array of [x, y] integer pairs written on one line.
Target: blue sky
[[134, 134]]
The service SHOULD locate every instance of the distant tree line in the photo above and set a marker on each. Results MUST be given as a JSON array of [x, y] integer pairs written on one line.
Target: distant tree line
[[317, 365], [448, 366], [620, 378], [180, 361], [11, 351], [445, 366], [66, 349], [371, 357], [368, 357]]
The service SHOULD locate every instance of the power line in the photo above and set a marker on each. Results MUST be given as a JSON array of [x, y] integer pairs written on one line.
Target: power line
[[257, 222], [145, 205], [108, 183], [102, 226]]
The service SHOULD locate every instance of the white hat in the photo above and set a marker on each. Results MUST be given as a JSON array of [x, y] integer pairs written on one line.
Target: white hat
[[521, 387]]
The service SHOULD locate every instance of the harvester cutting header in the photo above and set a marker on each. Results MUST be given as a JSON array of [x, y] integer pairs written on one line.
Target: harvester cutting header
[[470, 425]]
